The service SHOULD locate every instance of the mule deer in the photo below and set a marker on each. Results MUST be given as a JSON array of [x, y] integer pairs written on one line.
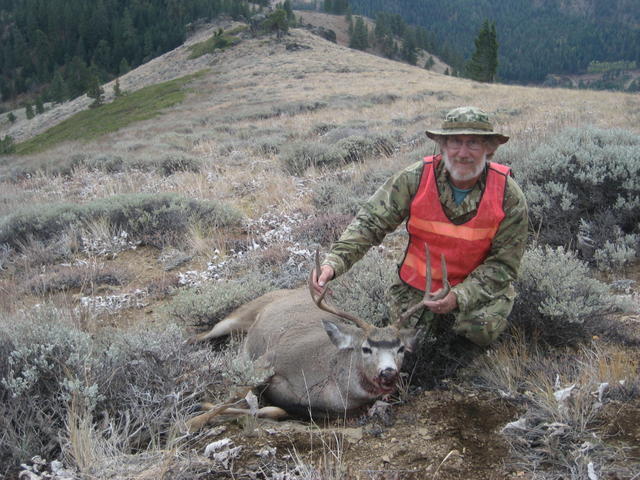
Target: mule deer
[[321, 366]]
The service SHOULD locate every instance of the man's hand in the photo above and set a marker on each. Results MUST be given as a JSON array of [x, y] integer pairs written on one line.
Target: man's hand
[[326, 274], [444, 305]]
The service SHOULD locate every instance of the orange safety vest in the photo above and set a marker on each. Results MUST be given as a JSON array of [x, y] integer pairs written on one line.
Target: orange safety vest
[[464, 246]]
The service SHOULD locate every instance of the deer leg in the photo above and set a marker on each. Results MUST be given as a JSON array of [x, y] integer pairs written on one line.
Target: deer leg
[[224, 327]]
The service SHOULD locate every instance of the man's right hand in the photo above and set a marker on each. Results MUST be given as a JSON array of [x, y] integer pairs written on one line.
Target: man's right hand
[[326, 274]]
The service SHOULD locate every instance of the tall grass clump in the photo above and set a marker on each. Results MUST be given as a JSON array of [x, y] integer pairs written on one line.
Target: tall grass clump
[[558, 301], [156, 219], [358, 148], [572, 401], [339, 150], [583, 189], [296, 158], [76, 396]]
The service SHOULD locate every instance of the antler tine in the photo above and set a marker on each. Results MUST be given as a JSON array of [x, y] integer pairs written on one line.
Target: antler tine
[[446, 288], [428, 296], [319, 301]]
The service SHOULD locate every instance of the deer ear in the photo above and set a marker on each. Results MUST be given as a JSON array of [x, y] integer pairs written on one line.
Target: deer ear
[[410, 338], [339, 334]]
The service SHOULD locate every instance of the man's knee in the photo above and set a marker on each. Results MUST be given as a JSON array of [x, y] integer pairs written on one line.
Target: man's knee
[[481, 330], [484, 325]]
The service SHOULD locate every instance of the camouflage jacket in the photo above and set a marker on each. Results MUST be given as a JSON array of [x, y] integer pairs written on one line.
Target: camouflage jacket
[[390, 205]]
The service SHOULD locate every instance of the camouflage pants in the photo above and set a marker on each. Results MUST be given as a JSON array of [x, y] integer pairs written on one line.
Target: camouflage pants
[[481, 326]]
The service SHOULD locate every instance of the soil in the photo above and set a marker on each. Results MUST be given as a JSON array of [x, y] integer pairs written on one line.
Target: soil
[[437, 434], [622, 426]]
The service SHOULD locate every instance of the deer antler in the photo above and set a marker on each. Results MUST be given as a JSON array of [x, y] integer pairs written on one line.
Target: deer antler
[[428, 296], [319, 301]]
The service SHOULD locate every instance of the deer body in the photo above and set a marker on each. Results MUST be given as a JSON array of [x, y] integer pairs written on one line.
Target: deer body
[[320, 365], [318, 362]]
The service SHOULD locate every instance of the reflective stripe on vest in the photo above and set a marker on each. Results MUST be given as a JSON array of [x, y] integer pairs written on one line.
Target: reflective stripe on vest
[[464, 246]]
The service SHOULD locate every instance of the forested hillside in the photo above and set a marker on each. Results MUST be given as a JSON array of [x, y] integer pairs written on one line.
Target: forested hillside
[[536, 38], [56, 48]]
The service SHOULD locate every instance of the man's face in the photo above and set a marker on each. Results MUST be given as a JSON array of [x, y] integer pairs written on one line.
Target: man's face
[[465, 156]]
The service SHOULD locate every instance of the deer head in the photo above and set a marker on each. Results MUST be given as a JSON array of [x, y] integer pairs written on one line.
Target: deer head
[[380, 350]]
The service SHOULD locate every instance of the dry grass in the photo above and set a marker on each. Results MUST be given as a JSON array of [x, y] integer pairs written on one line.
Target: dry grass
[[565, 395], [344, 80], [222, 124]]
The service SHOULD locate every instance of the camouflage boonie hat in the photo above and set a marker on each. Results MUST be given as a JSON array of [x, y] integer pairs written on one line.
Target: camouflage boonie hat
[[466, 121]]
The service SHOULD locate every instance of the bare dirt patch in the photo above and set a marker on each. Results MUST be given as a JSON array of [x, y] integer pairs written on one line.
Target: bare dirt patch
[[622, 426], [437, 434]]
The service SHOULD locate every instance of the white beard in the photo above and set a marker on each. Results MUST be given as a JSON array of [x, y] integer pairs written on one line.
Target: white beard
[[463, 177]]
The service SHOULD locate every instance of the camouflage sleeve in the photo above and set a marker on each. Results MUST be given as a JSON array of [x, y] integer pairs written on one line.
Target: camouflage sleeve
[[503, 263], [380, 215]]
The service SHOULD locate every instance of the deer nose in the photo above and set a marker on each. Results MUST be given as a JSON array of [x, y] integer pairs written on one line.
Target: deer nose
[[388, 374]]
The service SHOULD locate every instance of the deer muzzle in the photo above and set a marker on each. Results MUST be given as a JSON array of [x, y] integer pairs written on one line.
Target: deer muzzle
[[387, 377]]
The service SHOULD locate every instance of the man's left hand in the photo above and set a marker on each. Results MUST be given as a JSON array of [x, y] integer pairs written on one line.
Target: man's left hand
[[444, 305]]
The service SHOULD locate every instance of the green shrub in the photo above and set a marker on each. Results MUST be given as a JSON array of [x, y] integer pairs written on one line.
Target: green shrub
[[362, 291], [298, 157], [605, 242], [358, 148], [383, 98], [338, 150], [7, 145], [105, 163], [344, 195], [155, 219], [323, 229], [211, 302], [84, 279], [219, 41], [172, 164], [322, 128], [585, 177], [269, 145], [558, 301], [266, 110]]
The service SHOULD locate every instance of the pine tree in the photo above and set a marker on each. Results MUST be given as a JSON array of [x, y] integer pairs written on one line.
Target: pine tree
[[286, 6], [360, 36], [277, 22], [39, 106], [340, 7], [409, 50], [484, 61], [29, 111], [116, 89], [58, 91], [6, 145], [429, 63], [11, 117], [95, 91], [124, 66]]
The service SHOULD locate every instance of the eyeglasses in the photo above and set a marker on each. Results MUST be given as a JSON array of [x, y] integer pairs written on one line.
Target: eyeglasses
[[473, 144]]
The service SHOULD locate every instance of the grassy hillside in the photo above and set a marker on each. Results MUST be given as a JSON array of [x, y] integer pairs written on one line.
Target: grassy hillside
[[129, 227], [90, 124]]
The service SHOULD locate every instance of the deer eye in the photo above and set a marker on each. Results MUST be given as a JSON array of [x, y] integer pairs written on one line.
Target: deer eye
[[366, 350], [401, 349]]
